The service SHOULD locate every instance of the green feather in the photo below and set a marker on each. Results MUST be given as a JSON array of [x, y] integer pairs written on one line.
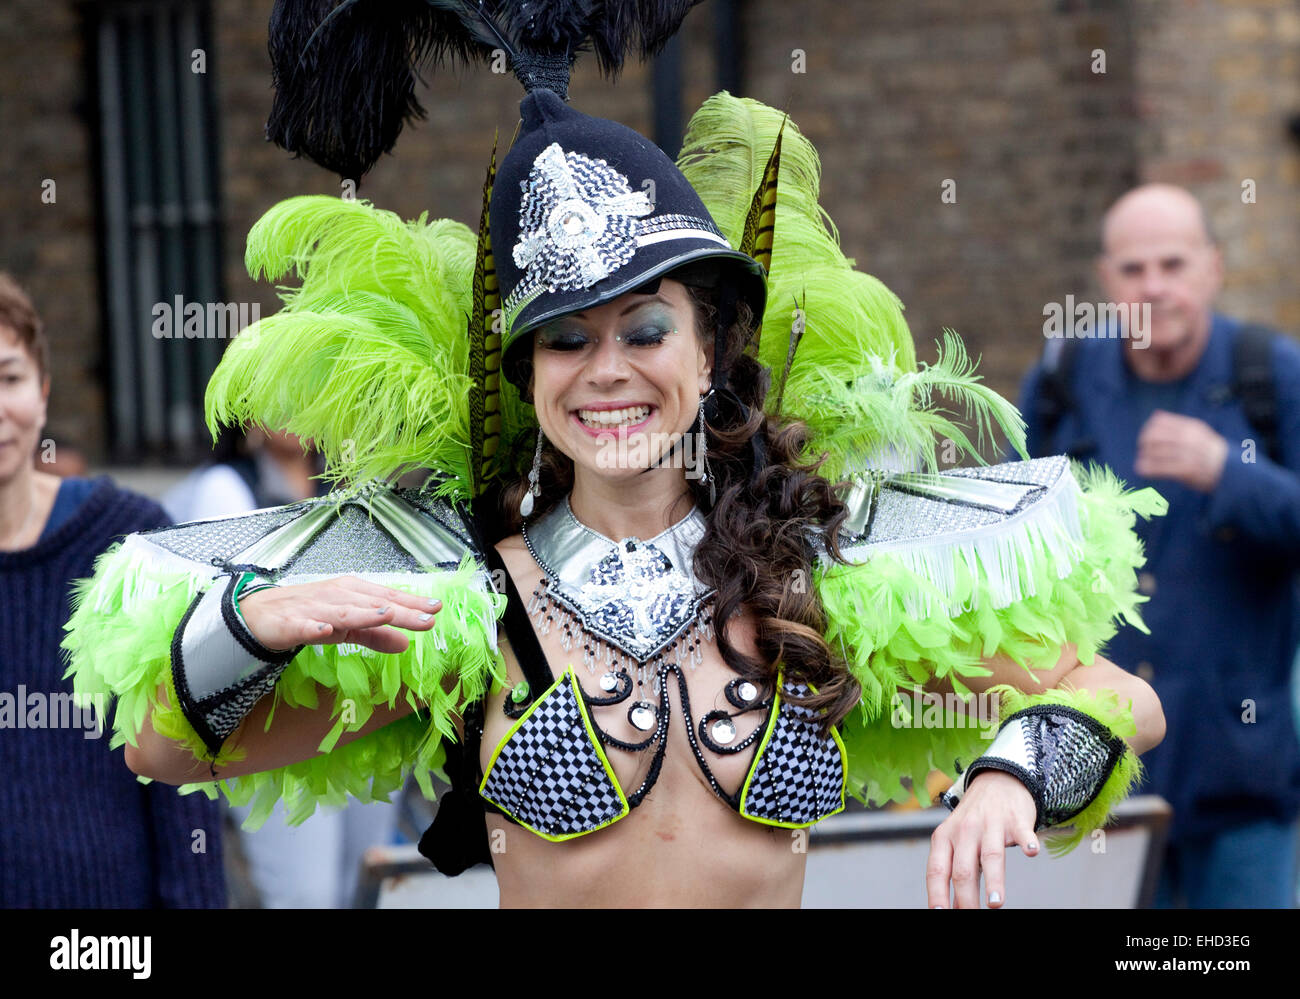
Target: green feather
[[898, 413], [890, 650], [119, 646], [853, 376], [368, 358], [725, 154]]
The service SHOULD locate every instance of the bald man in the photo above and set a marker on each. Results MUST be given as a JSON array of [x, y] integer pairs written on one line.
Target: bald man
[[1162, 409]]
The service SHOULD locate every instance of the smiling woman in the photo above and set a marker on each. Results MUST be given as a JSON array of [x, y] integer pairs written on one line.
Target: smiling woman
[[56, 764], [707, 648], [632, 371], [26, 496]]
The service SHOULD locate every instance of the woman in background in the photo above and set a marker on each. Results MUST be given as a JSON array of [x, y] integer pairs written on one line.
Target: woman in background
[[146, 846]]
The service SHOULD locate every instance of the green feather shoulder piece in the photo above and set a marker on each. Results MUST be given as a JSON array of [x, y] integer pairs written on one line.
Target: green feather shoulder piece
[[834, 336], [120, 640], [1014, 560]]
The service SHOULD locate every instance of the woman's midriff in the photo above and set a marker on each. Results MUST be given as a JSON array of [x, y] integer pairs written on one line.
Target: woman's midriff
[[682, 845]]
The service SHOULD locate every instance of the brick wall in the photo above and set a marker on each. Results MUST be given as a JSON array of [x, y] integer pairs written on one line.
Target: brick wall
[[1218, 82], [999, 97], [50, 247]]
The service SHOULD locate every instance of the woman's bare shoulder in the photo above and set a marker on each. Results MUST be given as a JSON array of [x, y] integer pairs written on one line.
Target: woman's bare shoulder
[[514, 543], [518, 560], [512, 550]]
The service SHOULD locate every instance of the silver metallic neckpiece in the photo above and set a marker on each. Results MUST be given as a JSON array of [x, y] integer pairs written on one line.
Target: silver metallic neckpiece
[[639, 599]]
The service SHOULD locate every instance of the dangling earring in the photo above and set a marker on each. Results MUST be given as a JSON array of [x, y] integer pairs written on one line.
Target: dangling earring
[[702, 452], [534, 477]]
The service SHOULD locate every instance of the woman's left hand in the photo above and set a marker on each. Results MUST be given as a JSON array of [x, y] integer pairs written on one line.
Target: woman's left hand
[[995, 812]]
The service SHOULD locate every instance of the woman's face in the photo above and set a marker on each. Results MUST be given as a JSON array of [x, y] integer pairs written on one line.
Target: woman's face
[[22, 405], [616, 386]]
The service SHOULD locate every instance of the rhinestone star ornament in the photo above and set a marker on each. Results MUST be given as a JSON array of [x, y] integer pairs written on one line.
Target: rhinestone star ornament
[[635, 590], [577, 222]]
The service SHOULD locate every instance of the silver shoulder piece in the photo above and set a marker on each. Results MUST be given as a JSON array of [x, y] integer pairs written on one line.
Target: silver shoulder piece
[[371, 530], [1060, 754], [219, 668], [986, 518], [386, 535]]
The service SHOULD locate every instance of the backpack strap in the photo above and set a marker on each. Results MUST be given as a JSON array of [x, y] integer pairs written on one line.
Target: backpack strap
[[1253, 384], [1055, 397]]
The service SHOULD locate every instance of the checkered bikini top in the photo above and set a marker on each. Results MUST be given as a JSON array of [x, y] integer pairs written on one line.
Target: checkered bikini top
[[550, 772]]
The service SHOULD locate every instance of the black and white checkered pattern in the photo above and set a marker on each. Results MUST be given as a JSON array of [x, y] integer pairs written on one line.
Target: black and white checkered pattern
[[1074, 754], [799, 779], [226, 710], [1061, 755], [548, 776]]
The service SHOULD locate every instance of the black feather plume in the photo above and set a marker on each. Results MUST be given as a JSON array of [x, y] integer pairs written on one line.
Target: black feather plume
[[345, 71], [621, 27], [345, 74]]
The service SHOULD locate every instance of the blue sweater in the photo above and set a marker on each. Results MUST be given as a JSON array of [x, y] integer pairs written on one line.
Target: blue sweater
[[1222, 609], [77, 829]]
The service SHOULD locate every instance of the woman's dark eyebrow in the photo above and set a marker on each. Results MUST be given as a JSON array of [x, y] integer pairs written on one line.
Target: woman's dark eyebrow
[[636, 305]]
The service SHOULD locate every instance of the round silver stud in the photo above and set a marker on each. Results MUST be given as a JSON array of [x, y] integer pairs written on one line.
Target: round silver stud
[[724, 730], [609, 682], [643, 715], [747, 691]]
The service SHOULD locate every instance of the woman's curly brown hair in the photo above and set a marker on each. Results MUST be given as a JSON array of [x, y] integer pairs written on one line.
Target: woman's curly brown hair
[[760, 538]]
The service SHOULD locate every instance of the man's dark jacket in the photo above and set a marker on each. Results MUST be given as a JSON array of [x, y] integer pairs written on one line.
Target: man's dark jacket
[[1220, 576]]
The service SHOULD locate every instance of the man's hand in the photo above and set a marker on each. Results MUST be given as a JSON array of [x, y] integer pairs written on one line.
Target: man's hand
[[1181, 448], [996, 811]]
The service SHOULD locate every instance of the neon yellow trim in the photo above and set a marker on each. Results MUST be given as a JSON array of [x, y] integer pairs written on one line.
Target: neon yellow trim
[[758, 758], [774, 715], [576, 694]]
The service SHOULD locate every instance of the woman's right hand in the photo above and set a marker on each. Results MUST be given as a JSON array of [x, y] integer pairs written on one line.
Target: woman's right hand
[[343, 609]]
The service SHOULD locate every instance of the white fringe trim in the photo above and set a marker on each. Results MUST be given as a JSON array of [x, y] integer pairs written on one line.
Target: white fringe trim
[[998, 554], [144, 560]]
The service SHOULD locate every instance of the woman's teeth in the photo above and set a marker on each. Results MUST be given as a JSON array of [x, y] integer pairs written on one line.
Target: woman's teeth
[[614, 417]]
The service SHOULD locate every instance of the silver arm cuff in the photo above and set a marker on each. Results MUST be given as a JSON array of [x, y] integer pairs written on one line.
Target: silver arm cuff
[[219, 668], [1060, 754]]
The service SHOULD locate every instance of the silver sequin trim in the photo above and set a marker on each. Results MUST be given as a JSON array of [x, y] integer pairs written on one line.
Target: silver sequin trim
[[205, 540]]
